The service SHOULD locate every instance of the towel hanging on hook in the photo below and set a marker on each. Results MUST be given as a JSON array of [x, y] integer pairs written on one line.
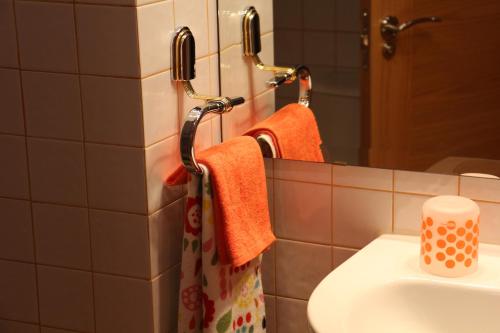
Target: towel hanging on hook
[[283, 75]]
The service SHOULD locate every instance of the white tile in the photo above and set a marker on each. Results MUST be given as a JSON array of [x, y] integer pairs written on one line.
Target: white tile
[[213, 32], [14, 175], [120, 243], [480, 188], [291, 315], [348, 50], [319, 48], [53, 105], [234, 72], [216, 130], [408, 213], [348, 15], [108, 40], [46, 33], [310, 172], [161, 160], [319, 15], [193, 14], [116, 178], [62, 236], [360, 216], [425, 183], [299, 279], [214, 75], [112, 110], [159, 108], [490, 222], [19, 291], [57, 171], [16, 230], [11, 117], [370, 178], [165, 237], [8, 53], [155, 26], [303, 211], [264, 105]]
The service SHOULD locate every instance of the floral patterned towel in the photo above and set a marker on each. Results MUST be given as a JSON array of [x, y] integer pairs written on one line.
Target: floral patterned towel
[[214, 297]]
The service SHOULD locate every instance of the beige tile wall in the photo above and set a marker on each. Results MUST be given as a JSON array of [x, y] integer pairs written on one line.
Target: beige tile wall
[[329, 212], [90, 237]]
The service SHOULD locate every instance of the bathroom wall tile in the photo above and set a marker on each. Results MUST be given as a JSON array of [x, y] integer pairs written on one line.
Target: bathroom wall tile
[[269, 164], [46, 34], [270, 200], [62, 236], [425, 183], [408, 213], [14, 175], [300, 279], [216, 130], [320, 173], [159, 108], [120, 243], [490, 222], [16, 232], [122, 304], [233, 68], [115, 2], [54, 330], [289, 48], [288, 308], [57, 171], [112, 110], [258, 78], [8, 326], [155, 27], [303, 211], [18, 290], [53, 105], [269, 271], [11, 117], [66, 298], [264, 105], [201, 84], [165, 237], [193, 14], [480, 188], [348, 15], [214, 74], [370, 178], [327, 41], [319, 15], [236, 123], [341, 254], [116, 178], [288, 14], [348, 50], [270, 313], [161, 160], [203, 139], [108, 40], [213, 33], [360, 216], [8, 53], [165, 300]]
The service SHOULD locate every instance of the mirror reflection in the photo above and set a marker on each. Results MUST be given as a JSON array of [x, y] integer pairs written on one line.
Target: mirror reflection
[[410, 85]]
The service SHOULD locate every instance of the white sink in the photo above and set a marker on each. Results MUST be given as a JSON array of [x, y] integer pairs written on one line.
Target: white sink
[[382, 289]]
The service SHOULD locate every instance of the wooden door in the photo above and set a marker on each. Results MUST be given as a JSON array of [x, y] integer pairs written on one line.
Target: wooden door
[[439, 95]]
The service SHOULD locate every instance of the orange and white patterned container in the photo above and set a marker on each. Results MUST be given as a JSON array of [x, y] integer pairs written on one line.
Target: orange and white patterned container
[[449, 236]]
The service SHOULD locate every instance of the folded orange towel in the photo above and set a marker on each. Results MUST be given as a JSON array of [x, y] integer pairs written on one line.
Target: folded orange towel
[[242, 224], [294, 132]]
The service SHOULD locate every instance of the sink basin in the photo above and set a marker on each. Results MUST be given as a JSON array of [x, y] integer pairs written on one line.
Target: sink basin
[[382, 289]]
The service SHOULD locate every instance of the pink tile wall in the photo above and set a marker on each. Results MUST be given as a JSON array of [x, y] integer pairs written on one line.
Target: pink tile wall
[[329, 212], [90, 237]]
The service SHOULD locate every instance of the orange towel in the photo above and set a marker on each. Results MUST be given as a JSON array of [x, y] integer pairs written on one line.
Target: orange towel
[[294, 132], [242, 224]]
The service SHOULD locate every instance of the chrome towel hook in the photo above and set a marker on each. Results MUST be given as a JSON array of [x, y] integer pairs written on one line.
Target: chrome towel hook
[[283, 75], [183, 70]]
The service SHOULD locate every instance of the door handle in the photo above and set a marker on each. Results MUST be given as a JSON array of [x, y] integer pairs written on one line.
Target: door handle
[[390, 28]]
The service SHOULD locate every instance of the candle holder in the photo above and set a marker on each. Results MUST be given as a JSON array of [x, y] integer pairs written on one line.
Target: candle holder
[[449, 236]]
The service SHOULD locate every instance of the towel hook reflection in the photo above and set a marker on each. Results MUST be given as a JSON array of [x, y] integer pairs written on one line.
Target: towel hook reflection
[[183, 70], [283, 75]]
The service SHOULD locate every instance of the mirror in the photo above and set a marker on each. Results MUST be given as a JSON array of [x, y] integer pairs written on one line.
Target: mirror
[[409, 85]]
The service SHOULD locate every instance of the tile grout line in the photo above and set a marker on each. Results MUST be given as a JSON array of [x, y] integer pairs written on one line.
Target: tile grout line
[[84, 155], [30, 194]]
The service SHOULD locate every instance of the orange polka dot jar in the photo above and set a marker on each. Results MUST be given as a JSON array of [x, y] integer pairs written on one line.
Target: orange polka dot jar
[[449, 236]]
